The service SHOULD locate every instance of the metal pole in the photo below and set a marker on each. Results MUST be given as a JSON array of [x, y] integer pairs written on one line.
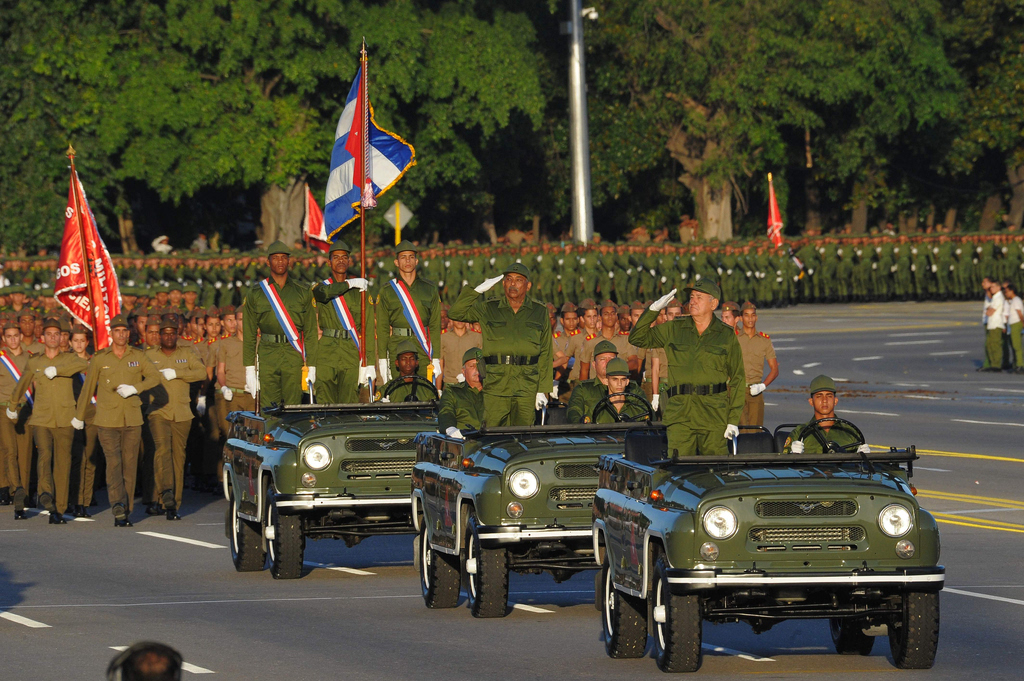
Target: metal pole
[[582, 211]]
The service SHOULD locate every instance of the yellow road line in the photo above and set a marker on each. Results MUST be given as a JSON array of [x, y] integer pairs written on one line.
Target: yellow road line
[[971, 499], [981, 527], [956, 455], [980, 521]]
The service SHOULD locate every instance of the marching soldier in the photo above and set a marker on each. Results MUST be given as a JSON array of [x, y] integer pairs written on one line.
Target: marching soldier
[[408, 307], [282, 312], [52, 410], [757, 349], [116, 376], [15, 437], [462, 404], [83, 450]]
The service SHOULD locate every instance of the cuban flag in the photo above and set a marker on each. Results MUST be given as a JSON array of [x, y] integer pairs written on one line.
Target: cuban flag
[[388, 157]]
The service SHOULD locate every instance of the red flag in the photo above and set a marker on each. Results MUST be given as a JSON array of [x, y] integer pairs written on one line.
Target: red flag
[[86, 282], [313, 224], [774, 217]]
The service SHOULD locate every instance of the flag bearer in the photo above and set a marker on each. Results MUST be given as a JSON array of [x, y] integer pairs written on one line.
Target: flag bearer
[[408, 308]]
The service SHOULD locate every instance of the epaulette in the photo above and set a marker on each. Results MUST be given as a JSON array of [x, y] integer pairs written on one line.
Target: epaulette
[[575, 333], [590, 336], [212, 341], [556, 334], [444, 331], [762, 333], [623, 333]]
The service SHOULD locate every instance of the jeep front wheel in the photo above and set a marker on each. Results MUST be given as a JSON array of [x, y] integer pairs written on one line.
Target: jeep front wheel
[[677, 625], [624, 618], [914, 634], [439, 575], [244, 537], [849, 637], [286, 544], [487, 575]]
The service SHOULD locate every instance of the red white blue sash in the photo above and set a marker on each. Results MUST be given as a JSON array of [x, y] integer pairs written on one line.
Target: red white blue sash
[[15, 373], [346, 318], [291, 331], [412, 315]]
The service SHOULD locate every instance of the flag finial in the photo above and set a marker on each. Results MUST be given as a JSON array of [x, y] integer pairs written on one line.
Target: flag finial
[[769, 177], [71, 151]]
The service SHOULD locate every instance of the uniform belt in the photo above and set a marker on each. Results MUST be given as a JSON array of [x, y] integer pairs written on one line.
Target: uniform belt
[[337, 333], [272, 338], [690, 389], [400, 332], [515, 360]]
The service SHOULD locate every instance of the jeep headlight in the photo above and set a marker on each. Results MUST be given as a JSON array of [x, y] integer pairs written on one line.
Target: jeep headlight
[[720, 522], [523, 483], [317, 457], [895, 520]]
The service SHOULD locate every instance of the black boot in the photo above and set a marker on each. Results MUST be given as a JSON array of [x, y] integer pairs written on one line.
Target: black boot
[[5, 497], [122, 522], [57, 518], [154, 509], [172, 513], [80, 512], [19, 514]]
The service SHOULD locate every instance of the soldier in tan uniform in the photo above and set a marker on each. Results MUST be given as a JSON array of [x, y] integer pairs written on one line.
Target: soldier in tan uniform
[[27, 323], [116, 376], [15, 437], [171, 420], [52, 410], [610, 332], [757, 349], [231, 373], [565, 345], [454, 344], [83, 451]]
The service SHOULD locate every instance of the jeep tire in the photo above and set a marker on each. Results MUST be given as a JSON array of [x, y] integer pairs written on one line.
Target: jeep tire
[[677, 640], [914, 634], [287, 547], [244, 539], [624, 618], [439, 575], [488, 585], [849, 637]]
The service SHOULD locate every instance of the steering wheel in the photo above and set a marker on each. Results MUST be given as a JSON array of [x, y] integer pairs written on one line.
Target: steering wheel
[[416, 380], [827, 445], [621, 417]]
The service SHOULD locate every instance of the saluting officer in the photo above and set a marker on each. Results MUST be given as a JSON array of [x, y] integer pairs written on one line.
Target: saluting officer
[[516, 345], [462, 404], [15, 437], [339, 373], [116, 376], [171, 420], [271, 305], [703, 400], [52, 410], [407, 307]]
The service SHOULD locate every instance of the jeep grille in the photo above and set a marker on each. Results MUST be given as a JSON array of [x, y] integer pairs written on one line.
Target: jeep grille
[[806, 534], [378, 466], [567, 471], [384, 444], [801, 509], [563, 494]]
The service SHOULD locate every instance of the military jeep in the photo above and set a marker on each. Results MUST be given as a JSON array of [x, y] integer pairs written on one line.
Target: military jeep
[[761, 537], [336, 471]]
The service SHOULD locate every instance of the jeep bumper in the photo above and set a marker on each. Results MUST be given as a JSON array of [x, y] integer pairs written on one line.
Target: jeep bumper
[[683, 581], [292, 503], [492, 536]]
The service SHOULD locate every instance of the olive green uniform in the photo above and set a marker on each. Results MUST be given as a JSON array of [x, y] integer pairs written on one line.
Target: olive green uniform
[[462, 406], [705, 387], [393, 327], [397, 390], [840, 434], [15, 436], [588, 394], [280, 369], [517, 352], [337, 372]]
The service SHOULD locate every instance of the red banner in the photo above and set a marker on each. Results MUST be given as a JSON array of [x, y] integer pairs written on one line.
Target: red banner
[[774, 217], [313, 224], [86, 282]]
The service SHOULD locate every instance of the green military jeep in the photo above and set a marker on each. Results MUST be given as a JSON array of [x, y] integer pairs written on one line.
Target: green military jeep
[[761, 537], [318, 471], [505, 499]]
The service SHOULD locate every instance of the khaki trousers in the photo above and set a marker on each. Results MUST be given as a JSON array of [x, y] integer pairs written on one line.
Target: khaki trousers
[[121, 450], [54, 465], [16, 443], [148, 475], [169, 463], [753, 411], [83, 465]]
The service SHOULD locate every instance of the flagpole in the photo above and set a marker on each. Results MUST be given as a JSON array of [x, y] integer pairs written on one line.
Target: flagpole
[[81, 237], [362, 211]]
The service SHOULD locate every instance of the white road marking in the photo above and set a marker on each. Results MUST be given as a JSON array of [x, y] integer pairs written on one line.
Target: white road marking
[[798, 372], [987, 597], [18, 619], [812, 364], [920, 333], [872, 413], [223, 601], [13, 530], [351, 571], [208, 524], [185, 666], [83, 520], [767, 404], [840, 380], [949, 352], [530, 608], [937, 470], [865, 359], [783, 340], [183, 540], [920, 342], [926, 397], [1003, 390], [736, 653], [788, 347], [913, 385], [988, 423]]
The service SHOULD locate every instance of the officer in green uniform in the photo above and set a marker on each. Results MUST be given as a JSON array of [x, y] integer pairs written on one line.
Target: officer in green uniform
[[392, 324], [462, 404], [703, 397], [280, 375], [339, 373], [589, 393], [403, 387], [823, 400], [516, 345], [116, 376]]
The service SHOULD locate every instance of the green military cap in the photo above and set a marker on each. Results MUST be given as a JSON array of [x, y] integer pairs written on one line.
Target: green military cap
[[406, 245], [119, 321], [406, 346], [568, 307], [822, 382], [339, 245], [27, 312], [617, 367], [169, 321], [747, 305], [13, 288], [473, 353], [191, 287], [729, 306], [518, 268], [278, 248], [707, 286], [174, 286], [605, 346], [51, 323]]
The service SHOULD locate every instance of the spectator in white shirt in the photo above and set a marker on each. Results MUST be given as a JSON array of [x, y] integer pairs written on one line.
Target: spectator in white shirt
[[995, 326], [1015, 323]]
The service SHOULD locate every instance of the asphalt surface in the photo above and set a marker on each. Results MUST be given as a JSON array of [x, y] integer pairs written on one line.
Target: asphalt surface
[[70, 595]]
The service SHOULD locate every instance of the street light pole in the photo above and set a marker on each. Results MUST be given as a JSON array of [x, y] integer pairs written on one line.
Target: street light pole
[[582, 210]]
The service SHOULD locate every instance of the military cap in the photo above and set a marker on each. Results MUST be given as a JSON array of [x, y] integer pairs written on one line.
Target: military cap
[[604, 346], [588, 304], [729, 306], [622, 309], [471, 354], [406, 245], [551, 307], [747, 305], [213, 312], [51, 323], [278, 248], [174, 286], [617, 367], [78, 328], [821, 383], [609, 303], [169, 321], [406, 346], [153, 320], [11, 324], [191, 288], [65, 325], [518, 268], [339, 245], [707, 286], [12, 289], [198, 313], [27, 312], [119, 321], [568, 307], [637, 305], [227, 311]]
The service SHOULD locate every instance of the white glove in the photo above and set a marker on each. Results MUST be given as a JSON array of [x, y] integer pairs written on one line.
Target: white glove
[[554, 393], [541, 402], [488, 283], [864, 449], [461, 378], [226, 393], [11, 414], [50, 372], [385, 400], [436, 363], [201, 405], [126, 391], [756, 389], [454, 432], [169, 374], [656, 402], [731, 432], [383, 371], [797, 447], [76, 424], [252, 384], [367, 374], [357, 282], [661, 303], [311, 375]]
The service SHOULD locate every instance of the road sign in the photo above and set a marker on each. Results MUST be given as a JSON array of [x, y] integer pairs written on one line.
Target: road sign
[[398, 215]]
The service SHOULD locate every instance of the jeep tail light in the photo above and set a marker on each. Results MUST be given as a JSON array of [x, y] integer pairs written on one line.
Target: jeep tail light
[[657, 496], [467, 463]]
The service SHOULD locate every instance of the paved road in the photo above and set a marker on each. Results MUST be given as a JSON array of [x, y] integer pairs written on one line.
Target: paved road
[[68, 595]]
